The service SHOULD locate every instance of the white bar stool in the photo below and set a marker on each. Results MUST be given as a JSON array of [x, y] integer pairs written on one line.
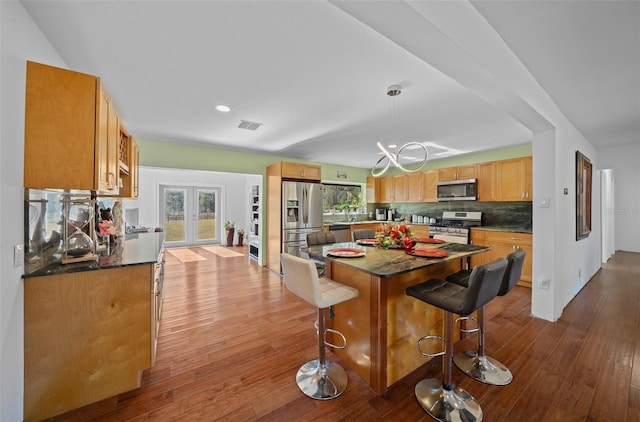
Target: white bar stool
[[319, 379]]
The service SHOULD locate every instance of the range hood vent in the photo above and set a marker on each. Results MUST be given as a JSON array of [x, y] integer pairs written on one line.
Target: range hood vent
[[245, 124]]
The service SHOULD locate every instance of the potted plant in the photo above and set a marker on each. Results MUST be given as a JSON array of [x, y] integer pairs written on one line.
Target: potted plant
[[240, 237], [230, 228]]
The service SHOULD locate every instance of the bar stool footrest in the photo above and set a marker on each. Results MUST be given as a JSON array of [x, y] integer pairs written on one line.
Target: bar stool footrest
[[447, 405], [482, 368], [322, 383]]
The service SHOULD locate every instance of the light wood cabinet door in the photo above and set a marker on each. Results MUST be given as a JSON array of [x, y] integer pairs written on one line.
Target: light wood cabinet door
[[400, 193], [487, 181], [386, 189], [430, 184], [503, 243], [129, 166], [469, 171], [134, 168], [71, 132], [477, 238], [514, 179], [301, 171], [447, 173], [87, 337], [415, 187], [373, 190], [107, 142]]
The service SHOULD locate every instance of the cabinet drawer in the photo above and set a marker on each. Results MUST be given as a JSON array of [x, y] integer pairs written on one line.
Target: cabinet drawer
[[508, 237]]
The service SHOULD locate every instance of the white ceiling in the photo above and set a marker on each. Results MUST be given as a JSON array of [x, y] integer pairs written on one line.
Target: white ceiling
[[315, 73]]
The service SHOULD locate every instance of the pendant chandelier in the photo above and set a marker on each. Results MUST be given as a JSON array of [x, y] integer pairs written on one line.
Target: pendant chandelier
[[410, 157]]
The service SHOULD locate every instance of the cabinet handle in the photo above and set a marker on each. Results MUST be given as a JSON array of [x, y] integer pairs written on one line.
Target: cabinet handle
[[516, 238], [110, 178]]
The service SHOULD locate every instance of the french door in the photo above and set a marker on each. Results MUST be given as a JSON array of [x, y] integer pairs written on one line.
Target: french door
[[190, 215]]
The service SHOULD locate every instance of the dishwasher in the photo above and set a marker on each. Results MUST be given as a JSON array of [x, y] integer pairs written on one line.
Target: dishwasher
[[342, 232]]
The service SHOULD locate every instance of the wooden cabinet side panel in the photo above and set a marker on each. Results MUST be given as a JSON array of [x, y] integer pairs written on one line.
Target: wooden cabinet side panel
[[60, 115], [274, 212], [87, 335]]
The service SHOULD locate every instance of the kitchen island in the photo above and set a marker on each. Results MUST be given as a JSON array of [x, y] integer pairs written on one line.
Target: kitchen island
[[382, 325]]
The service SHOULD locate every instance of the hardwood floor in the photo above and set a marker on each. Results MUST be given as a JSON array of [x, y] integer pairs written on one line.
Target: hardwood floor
[[232, 338]]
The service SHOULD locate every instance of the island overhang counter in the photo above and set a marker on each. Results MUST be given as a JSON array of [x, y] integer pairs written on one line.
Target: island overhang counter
[[382, 325]]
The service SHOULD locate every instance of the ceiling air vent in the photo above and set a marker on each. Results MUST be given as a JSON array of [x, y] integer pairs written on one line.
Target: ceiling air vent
[[245, 124]]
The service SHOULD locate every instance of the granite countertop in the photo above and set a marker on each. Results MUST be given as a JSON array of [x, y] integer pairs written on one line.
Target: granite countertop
[[514, 229], [391, 262], [349, 223], [135, 249]]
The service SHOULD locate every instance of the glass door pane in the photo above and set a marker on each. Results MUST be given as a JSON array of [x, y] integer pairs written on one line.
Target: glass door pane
[[174, 201], [207, 227]]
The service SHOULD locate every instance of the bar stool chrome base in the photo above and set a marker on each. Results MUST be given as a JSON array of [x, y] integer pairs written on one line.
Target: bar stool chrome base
[[322, 383], [447, 405], [482, 368]]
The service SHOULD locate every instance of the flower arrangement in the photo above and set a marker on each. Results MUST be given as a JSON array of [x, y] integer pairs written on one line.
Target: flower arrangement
[[107, 228], [398, 236]]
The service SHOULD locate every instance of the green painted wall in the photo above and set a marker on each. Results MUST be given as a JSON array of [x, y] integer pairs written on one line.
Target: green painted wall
[[179, 156]]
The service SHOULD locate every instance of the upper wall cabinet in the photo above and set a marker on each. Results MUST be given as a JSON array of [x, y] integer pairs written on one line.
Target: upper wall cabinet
[[421, 186], [129, 156], [458, 173], [505, 180], [514, 179], [72, 132], [373, 190], [300, 171], [393, 189]]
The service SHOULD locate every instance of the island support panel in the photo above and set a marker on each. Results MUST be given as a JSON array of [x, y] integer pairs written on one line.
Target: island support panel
[[382, 325]]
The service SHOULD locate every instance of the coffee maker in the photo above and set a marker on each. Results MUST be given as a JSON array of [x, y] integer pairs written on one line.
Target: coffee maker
[[381, 214]]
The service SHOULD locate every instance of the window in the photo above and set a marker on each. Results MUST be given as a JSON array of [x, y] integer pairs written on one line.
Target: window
[[342, 198]]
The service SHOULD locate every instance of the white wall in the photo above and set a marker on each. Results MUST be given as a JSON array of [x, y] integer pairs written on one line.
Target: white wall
[[21, 40], [235, 190], [625, 176]]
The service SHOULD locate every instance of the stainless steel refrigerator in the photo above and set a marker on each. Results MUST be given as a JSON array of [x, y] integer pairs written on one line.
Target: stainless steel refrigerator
[[301, 214]]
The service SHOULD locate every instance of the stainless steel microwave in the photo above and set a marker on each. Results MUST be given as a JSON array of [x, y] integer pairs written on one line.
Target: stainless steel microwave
[[458, 190]]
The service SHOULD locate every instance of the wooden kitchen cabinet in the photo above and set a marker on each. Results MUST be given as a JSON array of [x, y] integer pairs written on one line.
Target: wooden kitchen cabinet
[[87, 337], [393, 189], [373, 190], [416, 187], [487, 189], [513, 179], [71, 132], [430, 183], [502, 244], [301, 171], [129, 167], [458, 173]]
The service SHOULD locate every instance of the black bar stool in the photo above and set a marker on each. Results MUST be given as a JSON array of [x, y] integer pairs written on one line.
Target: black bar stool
[[440, 398], [319, 379], [476, 363]]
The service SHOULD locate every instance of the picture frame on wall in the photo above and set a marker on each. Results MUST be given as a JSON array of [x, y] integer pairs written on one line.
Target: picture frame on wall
[[583, 195]]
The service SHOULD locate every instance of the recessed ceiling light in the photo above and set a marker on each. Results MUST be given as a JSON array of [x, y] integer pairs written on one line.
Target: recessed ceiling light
[[223, 108]]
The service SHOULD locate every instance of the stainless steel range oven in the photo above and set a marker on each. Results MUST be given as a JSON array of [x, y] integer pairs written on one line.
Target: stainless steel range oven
[[455, 226]]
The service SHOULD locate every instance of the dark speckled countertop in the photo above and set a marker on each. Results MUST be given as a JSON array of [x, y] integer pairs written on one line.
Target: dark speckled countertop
[[391, 262], [136, 249], [514, 229]]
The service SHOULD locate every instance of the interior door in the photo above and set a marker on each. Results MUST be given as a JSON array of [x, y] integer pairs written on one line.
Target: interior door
[[188, 215]]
